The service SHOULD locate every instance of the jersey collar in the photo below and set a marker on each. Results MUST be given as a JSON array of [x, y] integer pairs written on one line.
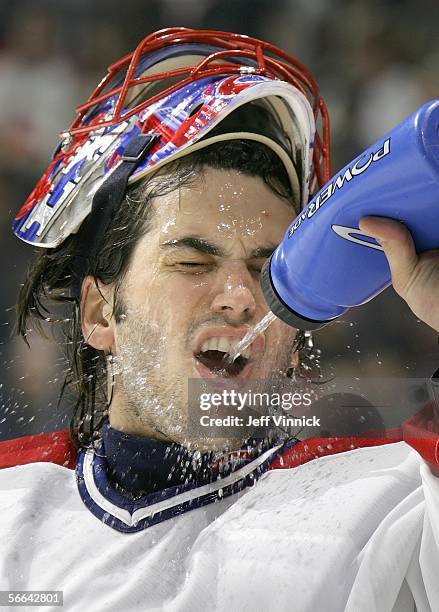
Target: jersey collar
[[125, 514]]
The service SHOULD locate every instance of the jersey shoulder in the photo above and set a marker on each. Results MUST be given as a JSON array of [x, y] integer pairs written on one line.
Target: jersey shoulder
[[314, 448], [54, 447]]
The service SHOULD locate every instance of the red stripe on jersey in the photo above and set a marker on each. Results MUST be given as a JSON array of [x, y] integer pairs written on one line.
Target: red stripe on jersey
[[422, 433], [54, 447]]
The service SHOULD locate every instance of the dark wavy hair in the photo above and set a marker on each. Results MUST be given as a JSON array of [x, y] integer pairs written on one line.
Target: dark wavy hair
[[50, 277]]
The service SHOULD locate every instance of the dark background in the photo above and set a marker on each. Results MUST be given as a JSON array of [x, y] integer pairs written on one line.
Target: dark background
[[376, 63]]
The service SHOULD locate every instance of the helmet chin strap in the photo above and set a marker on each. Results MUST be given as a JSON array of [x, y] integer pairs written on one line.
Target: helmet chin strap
[[106, 201]]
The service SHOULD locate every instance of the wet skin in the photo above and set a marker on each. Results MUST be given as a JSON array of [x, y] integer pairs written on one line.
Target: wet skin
[[194, 274]]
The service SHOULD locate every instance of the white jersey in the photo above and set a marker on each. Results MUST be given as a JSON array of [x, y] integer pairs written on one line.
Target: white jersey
[[355, 531]]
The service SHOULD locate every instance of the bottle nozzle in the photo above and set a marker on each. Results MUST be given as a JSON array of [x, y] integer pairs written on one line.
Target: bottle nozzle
[[280, 309]]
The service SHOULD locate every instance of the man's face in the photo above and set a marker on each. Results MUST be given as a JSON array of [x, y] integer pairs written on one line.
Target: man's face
[[192, 288]]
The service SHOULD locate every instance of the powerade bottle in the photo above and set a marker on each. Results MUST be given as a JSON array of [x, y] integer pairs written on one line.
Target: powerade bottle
[[325, 264]]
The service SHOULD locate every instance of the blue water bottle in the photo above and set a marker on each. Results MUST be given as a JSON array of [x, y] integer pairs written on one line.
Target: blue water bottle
[[325, 264]]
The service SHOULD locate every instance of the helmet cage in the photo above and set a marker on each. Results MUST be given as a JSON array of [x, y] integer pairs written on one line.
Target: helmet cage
[[262, 58]]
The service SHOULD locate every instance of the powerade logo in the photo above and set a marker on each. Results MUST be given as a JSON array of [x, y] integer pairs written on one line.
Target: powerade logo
[[352, 233], [348, 174]]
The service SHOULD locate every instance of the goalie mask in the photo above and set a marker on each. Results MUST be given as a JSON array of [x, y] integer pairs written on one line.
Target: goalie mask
[[179, 91]]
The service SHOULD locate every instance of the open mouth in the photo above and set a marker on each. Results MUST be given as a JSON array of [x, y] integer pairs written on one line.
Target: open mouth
[[212, 352]]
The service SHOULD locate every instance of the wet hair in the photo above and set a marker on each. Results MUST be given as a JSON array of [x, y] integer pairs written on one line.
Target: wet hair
[[49, 280]]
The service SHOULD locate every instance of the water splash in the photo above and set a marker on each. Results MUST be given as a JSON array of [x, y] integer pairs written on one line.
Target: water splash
[[237, 348]]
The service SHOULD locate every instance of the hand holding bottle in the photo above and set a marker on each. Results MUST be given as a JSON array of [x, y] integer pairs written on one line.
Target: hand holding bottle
[[414, 277]]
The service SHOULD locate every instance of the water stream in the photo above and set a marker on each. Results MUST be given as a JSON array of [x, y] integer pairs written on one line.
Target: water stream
[[237, 348]]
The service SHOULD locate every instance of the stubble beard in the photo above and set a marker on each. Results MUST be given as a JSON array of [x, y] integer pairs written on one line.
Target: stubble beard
[[154, 399]]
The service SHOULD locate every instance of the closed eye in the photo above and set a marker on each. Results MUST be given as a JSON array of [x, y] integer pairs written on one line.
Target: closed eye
[[191, 263], [196, 267]]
